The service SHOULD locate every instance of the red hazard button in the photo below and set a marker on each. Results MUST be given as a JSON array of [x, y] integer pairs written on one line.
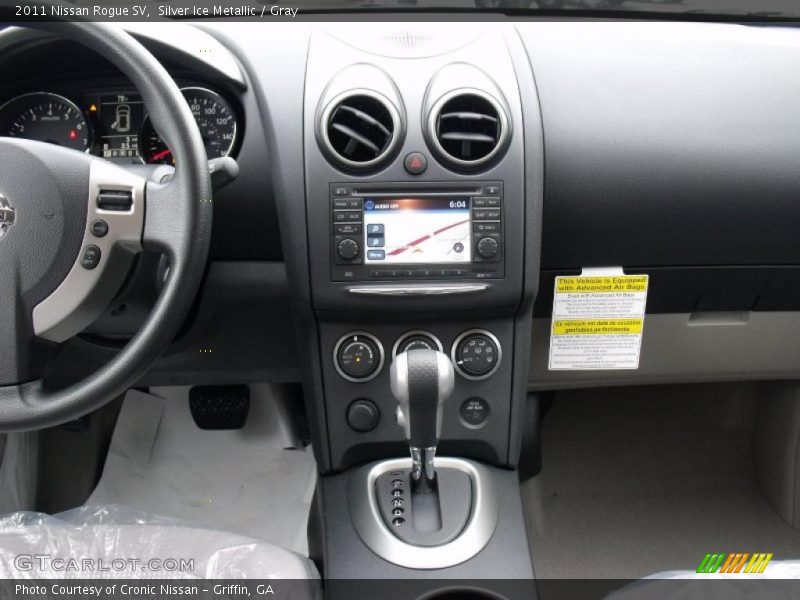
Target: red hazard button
[[415, 163]]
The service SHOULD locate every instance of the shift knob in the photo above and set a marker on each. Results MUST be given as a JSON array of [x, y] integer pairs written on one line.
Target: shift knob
[[421, 381]]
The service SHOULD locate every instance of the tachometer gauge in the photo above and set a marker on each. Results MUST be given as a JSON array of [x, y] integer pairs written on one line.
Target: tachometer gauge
[[47, 118], [214, 117]]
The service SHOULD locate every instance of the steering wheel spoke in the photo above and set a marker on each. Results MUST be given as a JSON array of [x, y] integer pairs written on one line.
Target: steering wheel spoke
[[112, 236]]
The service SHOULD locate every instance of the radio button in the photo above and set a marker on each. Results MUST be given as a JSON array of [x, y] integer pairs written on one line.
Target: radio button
[[492, 227], [488, 247], [347, 228], [353, 203], [347, 249]]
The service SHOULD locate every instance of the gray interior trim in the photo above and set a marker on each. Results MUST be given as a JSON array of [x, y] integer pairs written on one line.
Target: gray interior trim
[[690, 348]]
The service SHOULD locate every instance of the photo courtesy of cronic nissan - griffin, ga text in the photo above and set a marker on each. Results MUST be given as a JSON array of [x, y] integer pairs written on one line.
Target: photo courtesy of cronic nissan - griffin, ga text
[[399, 299]]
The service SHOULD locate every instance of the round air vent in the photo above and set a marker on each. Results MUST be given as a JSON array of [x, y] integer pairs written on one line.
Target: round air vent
[[359, 129], [468, 129]]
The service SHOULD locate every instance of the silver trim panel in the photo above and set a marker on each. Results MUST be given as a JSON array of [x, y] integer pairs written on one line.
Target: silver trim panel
[[373, 531], [85, 293], [418, 290]]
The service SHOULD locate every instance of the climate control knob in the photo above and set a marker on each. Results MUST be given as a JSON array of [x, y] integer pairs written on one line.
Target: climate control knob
[[476, 354], [488, 247], [358, 357], [347, 249]]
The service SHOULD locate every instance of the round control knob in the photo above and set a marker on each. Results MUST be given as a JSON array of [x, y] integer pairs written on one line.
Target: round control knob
[[488, 247], [363, 415], [416, 340], [347, 249], [358, 357], [476, 354]]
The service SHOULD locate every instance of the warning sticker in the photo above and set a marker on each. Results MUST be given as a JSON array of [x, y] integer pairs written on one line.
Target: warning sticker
[[597, 320]]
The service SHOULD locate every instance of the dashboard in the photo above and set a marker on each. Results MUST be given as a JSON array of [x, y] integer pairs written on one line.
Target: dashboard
[[414, 182], [110, 122]]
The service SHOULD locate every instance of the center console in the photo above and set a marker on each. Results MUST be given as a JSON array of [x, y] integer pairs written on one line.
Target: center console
[[423, 184]]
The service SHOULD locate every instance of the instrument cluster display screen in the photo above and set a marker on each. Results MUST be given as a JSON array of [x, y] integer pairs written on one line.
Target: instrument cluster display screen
[[118, 119], [406, 230]]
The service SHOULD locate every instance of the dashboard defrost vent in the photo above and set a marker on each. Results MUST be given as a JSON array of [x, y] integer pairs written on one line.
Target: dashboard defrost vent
[[468, 129], [359, 129]]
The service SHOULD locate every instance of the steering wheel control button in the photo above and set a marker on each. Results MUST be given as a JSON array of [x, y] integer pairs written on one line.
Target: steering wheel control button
[[488, 247], [363, 415], [358, 357], [474, 412], [115, 201], [99, 228], [476, 354], [347, 249], [416, 340], [415, 163], [90, 257]]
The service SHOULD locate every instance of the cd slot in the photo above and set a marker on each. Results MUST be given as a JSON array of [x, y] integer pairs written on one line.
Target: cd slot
[[417, 191]]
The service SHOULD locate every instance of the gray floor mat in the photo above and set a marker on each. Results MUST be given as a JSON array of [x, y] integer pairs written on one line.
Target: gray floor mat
[[641, 480], [245, 481]]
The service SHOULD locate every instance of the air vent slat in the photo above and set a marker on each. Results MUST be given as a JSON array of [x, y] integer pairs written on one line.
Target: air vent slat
[[365, 117], [468, 137], [468, 116], [353, 135], [467, 129], [360, 129]]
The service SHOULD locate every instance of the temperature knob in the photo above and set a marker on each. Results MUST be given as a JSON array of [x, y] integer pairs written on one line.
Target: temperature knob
[[358, 357]]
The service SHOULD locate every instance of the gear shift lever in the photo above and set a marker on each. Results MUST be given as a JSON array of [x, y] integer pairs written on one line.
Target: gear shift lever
[[421, 381]]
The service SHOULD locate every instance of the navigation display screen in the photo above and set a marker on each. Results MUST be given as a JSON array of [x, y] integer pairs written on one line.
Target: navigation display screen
[[417, 230]]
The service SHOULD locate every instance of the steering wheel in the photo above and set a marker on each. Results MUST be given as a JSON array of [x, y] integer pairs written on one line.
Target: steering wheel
[[58, 270]]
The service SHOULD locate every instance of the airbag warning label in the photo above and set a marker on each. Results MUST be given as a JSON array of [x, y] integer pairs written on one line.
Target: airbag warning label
[[597, 322]]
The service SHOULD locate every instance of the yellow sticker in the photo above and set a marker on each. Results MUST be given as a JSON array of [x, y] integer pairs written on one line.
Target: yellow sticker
[[620, 283], [598, 327], [598, 320]]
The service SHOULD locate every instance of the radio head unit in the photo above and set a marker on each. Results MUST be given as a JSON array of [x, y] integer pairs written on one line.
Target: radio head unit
[[393, 231]]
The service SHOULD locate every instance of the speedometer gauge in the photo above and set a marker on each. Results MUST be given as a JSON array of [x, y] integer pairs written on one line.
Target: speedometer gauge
[[47, 118], [214, 117]]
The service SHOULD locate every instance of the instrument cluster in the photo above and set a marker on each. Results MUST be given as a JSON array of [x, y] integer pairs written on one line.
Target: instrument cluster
[[114, 124]]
